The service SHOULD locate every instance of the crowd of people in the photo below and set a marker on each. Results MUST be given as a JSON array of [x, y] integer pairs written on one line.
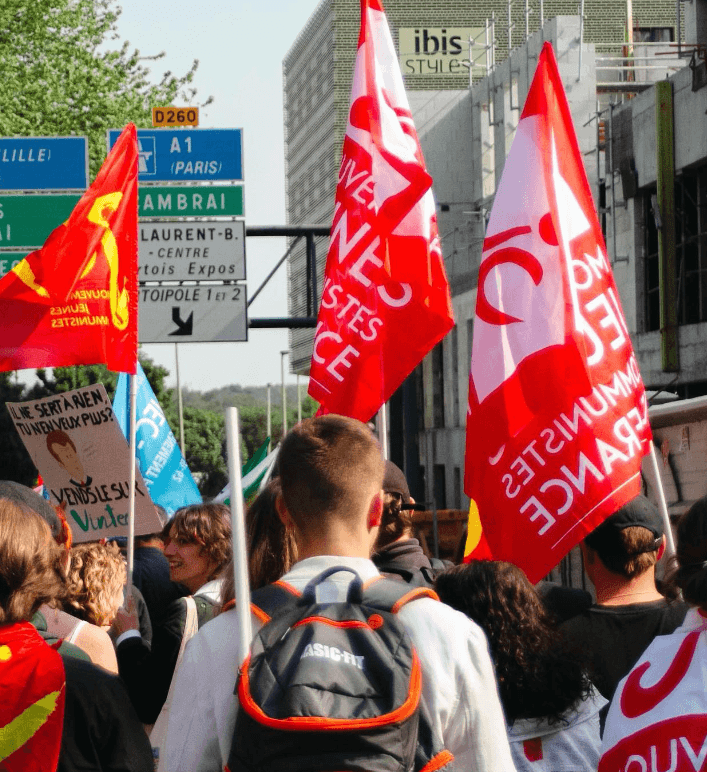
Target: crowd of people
[[442, 666]]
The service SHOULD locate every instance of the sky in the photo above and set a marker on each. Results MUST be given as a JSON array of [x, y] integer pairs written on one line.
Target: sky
[[240, 45]]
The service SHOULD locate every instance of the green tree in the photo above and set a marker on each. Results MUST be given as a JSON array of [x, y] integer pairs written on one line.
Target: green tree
[[60, 77]]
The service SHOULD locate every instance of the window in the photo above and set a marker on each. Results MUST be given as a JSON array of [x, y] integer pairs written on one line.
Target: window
[[691, 251], [440, 486], [438, 386], [653, 34]]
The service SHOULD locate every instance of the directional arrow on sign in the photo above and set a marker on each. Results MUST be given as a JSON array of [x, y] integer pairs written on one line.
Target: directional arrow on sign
[[183, 327]]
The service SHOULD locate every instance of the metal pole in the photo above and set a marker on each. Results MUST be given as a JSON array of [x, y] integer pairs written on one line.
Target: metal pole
[[283, 354], [240, 557], [131, 494], [431, 492], [180, 407], [268, 425], [662, 506], [542, 15], [527, 21], [299, 402], [581, 37], [382, 421]]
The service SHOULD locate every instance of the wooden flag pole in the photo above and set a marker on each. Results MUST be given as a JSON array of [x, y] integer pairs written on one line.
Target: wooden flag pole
[[662, 506], [240, 557], [131, 500]]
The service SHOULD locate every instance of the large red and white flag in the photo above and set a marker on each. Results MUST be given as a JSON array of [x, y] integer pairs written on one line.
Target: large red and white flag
[[557, 424], [74, 301], [386, 300]]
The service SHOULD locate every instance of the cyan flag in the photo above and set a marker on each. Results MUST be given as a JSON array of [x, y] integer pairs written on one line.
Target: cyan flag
[[161, 462]]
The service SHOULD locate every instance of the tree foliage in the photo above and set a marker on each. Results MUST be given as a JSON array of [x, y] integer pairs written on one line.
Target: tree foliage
[[64, 72]]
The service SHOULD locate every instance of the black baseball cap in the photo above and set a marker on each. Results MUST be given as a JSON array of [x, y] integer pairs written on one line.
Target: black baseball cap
[[637, 512]]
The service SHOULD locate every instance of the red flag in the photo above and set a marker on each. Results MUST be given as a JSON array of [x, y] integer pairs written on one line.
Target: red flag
[[32, 696], [557, 423], [385, 301], [74, 301]]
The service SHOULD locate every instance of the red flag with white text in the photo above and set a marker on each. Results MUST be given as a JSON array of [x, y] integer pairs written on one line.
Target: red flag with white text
[[557, 424], [386, 300], [74, 301]]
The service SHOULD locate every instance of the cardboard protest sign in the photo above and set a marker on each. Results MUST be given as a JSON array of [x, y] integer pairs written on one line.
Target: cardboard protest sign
[[76, 444]]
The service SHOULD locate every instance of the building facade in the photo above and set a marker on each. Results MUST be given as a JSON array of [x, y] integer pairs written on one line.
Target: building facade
[[465, 110]]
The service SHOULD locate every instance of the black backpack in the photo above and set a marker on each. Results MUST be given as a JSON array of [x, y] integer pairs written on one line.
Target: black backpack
[[333, 687]]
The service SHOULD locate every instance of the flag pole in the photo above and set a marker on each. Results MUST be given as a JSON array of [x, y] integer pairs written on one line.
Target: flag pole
[[131, 500], [662, 506], [240, 558], [382, 426]]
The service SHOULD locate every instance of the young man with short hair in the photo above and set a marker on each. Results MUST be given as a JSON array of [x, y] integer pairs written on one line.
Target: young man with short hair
[[620, 557], [331, 471]]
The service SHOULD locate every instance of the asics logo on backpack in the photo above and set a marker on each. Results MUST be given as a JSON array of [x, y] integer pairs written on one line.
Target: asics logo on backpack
[[334, 653]]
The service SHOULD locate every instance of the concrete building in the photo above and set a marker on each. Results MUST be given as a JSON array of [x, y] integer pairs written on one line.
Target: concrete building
[[466, 121]]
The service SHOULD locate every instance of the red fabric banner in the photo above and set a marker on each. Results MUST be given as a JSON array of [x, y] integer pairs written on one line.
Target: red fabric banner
[[74, 301], [557, 423], [386, 300], [32, 695]]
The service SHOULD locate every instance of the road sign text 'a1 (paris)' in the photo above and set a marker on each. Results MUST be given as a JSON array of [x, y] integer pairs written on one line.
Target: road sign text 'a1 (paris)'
[[201, 250], [187, 155], [197, 313], [43, 163], [190, 201]]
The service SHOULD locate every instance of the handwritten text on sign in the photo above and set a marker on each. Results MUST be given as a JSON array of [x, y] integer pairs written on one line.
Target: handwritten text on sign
[[81, 453]]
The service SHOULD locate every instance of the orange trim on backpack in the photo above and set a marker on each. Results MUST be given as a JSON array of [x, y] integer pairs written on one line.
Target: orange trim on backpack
[[371, 581], [333, 622], [418, 592], [316, 723], [229, 605], [437, 762], [288, 587], [258, 612]]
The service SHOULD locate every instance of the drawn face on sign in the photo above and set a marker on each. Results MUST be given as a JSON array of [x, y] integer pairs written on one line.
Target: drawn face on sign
[[62, 448]]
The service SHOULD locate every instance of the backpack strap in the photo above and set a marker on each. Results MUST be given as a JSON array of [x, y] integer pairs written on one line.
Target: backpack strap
[[266, 600], [389, 595]]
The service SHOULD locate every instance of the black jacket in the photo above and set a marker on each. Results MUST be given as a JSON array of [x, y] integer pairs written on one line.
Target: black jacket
[[147, 671], [102, 732]]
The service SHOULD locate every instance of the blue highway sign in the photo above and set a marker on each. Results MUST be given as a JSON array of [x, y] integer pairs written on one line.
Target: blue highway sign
[[43, 163], [187, 155]]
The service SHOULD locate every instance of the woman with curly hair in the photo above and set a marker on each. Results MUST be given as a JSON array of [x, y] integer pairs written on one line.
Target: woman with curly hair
[[551, 708], [95, 582], [197, 544]]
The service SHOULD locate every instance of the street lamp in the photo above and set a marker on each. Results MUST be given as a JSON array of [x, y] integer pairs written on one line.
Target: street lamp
[[268, 429]]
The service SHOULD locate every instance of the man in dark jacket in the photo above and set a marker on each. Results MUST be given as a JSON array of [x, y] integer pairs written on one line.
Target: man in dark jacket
[[620, 558], [397, 554]]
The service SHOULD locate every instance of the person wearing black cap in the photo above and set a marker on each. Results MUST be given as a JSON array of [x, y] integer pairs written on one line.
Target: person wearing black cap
[[620, 558], [396, 553]]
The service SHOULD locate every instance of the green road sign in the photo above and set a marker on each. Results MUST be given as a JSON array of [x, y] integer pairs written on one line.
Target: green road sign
[[190, 201], [9, 260], [27, 220]]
